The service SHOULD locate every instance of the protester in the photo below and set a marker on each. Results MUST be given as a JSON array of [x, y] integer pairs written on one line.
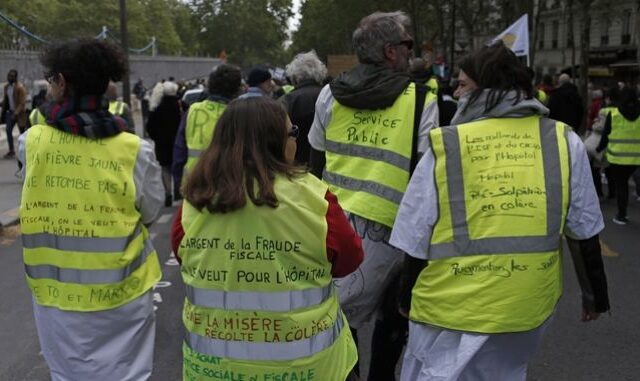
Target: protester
[[307, 73], [369, 127], [197, 126], [162, 127], [621, 139], [90, 192], [483, 256], [565, 104], [118, 107], [14, 108], [260, 83], [271, 219]]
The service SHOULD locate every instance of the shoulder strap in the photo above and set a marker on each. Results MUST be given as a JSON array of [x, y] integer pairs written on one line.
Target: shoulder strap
[[421, 95]]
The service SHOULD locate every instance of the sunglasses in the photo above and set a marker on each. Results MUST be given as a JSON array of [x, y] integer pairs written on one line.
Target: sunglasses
[[294, 132], [407, 43]]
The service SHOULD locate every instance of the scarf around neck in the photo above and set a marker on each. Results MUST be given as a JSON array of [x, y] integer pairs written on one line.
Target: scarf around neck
[[507, 108], [86, 116]]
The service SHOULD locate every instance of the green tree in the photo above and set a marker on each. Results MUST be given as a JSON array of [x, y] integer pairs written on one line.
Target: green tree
[[249, 31]]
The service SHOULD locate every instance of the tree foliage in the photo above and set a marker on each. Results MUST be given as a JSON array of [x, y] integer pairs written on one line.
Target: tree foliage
[[170, 21]]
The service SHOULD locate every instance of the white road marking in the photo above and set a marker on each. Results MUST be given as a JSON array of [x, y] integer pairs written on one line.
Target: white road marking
[[165, 218], [162, 284]]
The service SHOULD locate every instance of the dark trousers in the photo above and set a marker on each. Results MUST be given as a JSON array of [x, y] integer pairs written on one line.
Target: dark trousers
[[621, 175], [389, 337]]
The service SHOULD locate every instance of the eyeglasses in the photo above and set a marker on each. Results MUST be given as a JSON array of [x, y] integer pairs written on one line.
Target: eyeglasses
[[407, 43], [294, 132]]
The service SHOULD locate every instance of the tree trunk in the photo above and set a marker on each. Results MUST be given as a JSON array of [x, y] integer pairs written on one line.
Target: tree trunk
[[637, 33], [585, 39], [535, 9], [573, 39]]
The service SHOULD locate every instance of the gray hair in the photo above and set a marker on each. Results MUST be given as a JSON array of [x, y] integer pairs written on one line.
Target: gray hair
[[564, 78], [377, 30], [306, 66]]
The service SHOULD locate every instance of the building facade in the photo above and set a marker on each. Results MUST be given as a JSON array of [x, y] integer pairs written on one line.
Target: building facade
[[613, 44]]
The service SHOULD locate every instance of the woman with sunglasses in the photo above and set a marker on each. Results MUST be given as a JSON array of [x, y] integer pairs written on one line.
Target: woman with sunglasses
[[90, 190], [260, 240]]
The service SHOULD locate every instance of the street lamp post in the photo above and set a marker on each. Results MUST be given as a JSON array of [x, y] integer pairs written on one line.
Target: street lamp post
[[124, 39]]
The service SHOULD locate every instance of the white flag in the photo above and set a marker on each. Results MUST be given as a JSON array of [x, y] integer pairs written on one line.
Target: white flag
[[516, 36]]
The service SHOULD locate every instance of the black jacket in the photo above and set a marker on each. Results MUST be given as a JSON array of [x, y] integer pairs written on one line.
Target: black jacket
[[565, 105], [301, 105]]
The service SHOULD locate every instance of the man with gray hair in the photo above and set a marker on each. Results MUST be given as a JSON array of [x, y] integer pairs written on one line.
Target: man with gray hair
[[370, 126], [306, 73]]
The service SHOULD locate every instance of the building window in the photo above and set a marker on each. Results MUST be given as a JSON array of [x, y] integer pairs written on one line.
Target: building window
[[541, 36], [555, 31], [626, 27], [604, 32]]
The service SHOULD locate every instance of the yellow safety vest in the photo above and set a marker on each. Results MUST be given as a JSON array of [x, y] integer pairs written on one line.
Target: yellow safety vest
[[117, 108], [433, 85], [201, 123], [369, 156], [494, 256], [36, 117], [542, 96], [260, 301], [624, 140], [287, 89], [85, 247]]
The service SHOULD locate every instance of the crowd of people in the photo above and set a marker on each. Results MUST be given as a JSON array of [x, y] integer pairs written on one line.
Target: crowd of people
[[437, 211]]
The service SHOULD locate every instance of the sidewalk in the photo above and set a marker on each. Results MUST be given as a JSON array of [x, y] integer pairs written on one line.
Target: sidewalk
[[10, 186]]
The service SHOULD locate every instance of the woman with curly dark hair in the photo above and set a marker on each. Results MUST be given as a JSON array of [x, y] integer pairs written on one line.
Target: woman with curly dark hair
[[90, 191], [260, 241]]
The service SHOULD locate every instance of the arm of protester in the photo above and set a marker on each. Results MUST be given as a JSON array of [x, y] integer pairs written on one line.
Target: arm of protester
[[344, 246], [177, 233], [317, 137], [148, 184]]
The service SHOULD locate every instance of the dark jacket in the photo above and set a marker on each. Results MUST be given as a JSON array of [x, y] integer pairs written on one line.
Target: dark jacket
[[301, 105], [162, 126], [565, 105]]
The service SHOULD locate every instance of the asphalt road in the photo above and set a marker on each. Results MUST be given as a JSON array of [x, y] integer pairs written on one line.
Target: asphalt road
[[607, 349]]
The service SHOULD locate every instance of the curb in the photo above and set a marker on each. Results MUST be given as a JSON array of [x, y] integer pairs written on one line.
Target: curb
[[10, 217]]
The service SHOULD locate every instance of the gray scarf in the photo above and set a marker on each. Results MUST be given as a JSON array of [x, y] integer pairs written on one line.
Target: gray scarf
[[505, 109]]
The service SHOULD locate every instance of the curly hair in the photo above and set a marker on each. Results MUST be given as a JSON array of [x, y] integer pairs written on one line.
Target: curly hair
[[306, 66], [225, 80], [87, 65]]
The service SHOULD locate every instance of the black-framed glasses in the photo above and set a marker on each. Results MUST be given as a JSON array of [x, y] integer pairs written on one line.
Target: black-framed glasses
[[294, 132], [407, 43]]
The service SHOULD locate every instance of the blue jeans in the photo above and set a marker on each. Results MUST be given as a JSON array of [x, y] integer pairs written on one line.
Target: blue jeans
[[11, 122]]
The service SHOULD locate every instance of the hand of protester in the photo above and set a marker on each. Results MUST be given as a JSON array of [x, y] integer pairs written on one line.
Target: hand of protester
[[403, 312], [589, 315]]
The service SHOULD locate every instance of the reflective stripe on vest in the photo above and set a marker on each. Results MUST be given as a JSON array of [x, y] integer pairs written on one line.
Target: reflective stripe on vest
[[369, 156], [259, 291], [116, 107], [462, 244], [258, 301], [624, 140], [81, 231], [503, 189], [82, 276], [195, 153], [263, 351], [83, 244]]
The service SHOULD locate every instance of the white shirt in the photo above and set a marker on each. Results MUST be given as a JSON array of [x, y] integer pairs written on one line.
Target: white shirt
[[322, 118], [418, 211]]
